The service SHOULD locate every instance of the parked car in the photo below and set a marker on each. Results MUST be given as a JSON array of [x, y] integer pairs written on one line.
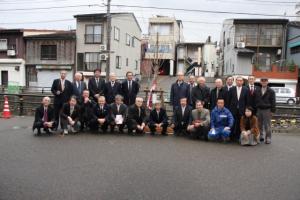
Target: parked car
[[285, 95]]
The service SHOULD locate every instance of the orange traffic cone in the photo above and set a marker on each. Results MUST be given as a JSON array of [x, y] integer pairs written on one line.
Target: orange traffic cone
[[6, 113]]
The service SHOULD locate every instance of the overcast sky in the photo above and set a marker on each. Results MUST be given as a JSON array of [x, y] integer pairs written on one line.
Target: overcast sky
[[194, 30]]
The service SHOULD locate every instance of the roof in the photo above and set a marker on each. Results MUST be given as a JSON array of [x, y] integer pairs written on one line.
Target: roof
[[260, 21], [244, 51], [104, 15], [294, 23], [191, 43], [57, 35], [21, 30]]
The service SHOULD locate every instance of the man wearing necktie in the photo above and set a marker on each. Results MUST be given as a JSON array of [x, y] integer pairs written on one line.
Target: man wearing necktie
[[251, 96], [158, 120], [181, 117], [62, 90], [136, 117], [118, 114], [78, 85], [101, 116], [70, 116], [130, 89], [111, 89], [179, 90], [96, 85], [44, 117]]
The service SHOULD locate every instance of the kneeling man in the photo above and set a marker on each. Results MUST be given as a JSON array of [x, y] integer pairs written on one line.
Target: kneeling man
[[221, 122], [136, 117], [118, 114], [70, 116], [101, 115], [199, 122], [158, 119]]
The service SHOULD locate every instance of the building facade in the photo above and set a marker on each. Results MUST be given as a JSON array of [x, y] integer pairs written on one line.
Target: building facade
[[256, 47], [164, 34], [91, 44], [47, 55]]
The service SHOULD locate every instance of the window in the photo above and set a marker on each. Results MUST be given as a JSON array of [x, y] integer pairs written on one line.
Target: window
[[163, 48], [48, 52], [92, 61], [295, 50], [161, 29], [31, 74], [93, 34], [136, 64], [118, 62], [128, 39], [116, 33], [133, 42], [3, 44], [127, 62], [228, 41]]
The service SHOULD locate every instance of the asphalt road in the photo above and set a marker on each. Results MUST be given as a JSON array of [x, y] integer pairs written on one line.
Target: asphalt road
[[113, 167]]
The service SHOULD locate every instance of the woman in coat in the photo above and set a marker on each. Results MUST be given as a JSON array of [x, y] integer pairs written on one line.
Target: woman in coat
[[249, 128]]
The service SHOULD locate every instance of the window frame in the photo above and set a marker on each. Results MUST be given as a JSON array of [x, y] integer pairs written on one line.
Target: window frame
[[118, 62], [128, 39], [118, 31], [47, 56], [101, 34]]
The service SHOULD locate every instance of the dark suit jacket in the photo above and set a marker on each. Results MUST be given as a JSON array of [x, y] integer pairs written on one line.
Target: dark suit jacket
[[238, 106], [65, 95], [266, 101], [178, 119], [98, 114], [86, 109], [202, 94], [155, 119], [39, 114], [66, 112], [133, 115], [214, 98], [110, 92], [114, 111], [251, 96], [77, 91], [178, 92], [129, 97], [96, 89]]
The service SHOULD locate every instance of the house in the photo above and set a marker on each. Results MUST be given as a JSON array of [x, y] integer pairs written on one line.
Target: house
[[164, 34], [91, 44], [293, 47], [210, 58], [256, 47], [189, 57], [12, 55], [47, 55]]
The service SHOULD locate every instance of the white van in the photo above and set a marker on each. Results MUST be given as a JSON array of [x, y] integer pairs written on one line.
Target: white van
[[285, 95]]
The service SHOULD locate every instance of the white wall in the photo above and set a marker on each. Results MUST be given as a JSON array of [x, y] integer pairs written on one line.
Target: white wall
[[210, 58], [45, 77], [14, 75]]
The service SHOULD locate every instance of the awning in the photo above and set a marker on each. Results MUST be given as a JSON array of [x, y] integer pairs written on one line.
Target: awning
[[244, 51], [294, 44]]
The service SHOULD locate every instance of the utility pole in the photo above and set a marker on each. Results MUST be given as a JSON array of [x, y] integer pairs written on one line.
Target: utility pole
[[108, 36]]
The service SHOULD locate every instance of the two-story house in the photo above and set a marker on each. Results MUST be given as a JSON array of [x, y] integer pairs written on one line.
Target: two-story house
[[256, 47], [47, 55], [164, 34], [91, 44]]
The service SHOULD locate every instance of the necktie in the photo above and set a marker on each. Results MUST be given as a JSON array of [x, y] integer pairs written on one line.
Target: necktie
[[182, 110], [139, 112], [112, 84], [158, 114], [45, 115], [118, 108], [130, 87], [252, 90], [217, 93], [71, 110], [238, 92], [62, 82]]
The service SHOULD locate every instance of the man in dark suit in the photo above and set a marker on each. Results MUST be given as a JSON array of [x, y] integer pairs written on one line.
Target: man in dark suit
[[118, 114], [96, 85], [201, 92], [44, 117], [111, 89], [228, 85], [130, 89], [217, 93], [158, 119], [70, 116], [78, 85], [136, 120], [237, 104], [181, 118], [179, 90], [101, 116], [86, 104], [62, 90], [251, 93]]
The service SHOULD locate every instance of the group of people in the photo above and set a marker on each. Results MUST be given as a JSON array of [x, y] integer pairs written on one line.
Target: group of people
[[240, 112], [237, 113]]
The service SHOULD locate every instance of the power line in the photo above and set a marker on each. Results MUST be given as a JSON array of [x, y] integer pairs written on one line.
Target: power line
[[252, 3], [51, 7], [202, 11], [270, 1]]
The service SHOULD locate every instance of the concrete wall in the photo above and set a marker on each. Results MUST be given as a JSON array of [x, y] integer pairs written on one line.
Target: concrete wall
[[16, 76], [45, 77], [210, 59]]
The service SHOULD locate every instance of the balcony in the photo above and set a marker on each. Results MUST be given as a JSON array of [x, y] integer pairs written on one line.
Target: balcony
[[93, 38], [276, 72], [262, 40]]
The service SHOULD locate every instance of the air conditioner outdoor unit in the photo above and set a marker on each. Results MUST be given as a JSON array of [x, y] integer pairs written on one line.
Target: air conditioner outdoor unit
[[11, 52], [240, 45], [102, 47], [103, 56], [279, 52]]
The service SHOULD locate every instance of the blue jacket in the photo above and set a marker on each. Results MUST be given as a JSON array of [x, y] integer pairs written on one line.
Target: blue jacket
[[178, 92], [221, 118]]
